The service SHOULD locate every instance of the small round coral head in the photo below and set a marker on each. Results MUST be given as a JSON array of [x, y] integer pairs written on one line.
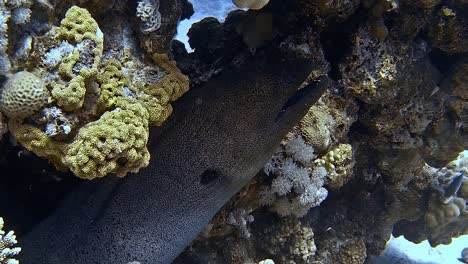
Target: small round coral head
[[251, 4], [22, 95]]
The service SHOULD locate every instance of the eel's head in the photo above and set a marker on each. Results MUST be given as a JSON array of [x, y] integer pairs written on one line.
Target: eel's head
[[236, 120]]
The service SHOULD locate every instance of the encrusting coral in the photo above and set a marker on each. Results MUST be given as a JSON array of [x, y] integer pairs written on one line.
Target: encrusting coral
[[88, 115], [8, 251], [116, 142], [81, 30], [288, 239]]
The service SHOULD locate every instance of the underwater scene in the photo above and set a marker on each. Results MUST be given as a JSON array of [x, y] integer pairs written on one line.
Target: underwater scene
[[233, 131]]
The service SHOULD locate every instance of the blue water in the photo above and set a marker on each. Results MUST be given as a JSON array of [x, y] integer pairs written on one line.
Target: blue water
[[203, 8]]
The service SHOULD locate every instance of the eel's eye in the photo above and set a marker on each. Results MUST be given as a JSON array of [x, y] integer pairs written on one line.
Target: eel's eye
[[208, 176]]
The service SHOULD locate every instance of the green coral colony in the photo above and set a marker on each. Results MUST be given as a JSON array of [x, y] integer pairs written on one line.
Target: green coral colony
[[82, 113]]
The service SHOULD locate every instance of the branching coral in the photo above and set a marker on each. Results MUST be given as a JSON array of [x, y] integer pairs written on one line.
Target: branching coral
[[8, 251]]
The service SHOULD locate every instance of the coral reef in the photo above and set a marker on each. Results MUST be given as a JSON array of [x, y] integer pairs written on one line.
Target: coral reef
[[446, 213], [8, 251], [288, 240], [92, 116], [447, 29], [373, 157], [381, 132], [324, 10]]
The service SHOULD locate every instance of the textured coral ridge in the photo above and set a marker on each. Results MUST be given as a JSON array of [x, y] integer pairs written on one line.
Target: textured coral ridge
[[82, 111], [382, 136], [8, 251]]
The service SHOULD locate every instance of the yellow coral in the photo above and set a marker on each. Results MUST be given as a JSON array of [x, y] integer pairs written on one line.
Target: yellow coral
[[77, 25], [70, 97], [175, 84], [156, 100], [120, 111], [80, 28], [112, 82], [338, 163], [115, 143], [155, 97], [35, 140], [66, 66]]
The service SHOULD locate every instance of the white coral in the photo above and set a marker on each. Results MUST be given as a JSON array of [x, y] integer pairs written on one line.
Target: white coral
[[7, 243], [150, 17], [266, 196], [21, 15], [295, 187], [240, 218], [299, 150], [281, 186]]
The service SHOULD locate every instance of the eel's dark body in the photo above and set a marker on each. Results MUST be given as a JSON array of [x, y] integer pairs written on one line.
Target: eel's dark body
[[221, 135]]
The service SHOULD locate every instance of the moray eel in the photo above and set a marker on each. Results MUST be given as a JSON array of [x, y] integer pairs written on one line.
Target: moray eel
[[220, 136]]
